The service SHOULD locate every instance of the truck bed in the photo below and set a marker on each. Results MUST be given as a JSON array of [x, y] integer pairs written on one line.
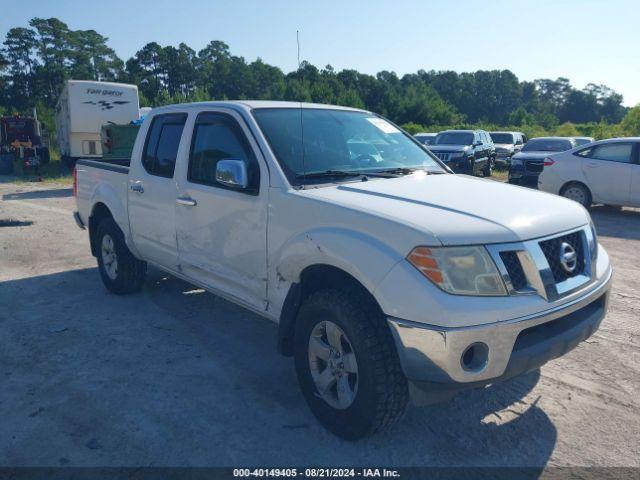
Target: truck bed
[[105, 181]]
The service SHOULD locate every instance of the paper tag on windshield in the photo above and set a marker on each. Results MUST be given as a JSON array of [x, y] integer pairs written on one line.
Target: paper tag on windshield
[[383, 125]]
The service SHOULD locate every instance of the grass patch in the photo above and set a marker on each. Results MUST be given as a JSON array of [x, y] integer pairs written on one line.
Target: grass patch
[[501, 175], [53, 172]]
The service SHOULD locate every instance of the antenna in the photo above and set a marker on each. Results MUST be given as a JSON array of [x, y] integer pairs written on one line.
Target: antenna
[[298, 42]]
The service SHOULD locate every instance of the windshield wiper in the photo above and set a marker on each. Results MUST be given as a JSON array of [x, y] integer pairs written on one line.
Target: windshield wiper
[[398, 171], [328, 173]]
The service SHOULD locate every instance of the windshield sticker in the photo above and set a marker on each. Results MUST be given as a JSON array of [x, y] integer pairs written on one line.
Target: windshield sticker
[[383, 125]]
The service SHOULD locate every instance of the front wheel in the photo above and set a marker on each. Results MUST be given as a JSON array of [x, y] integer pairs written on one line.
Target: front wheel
[[471, 166], [347, 365], [488, 169], [120, 271]]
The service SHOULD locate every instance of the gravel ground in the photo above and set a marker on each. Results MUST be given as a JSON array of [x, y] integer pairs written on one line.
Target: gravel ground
[[175, 376]]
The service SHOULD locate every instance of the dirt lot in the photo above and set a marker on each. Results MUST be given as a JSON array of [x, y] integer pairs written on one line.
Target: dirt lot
[[176, 376]]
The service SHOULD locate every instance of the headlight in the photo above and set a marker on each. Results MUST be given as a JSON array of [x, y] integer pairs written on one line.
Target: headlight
[[516, 162], [459, 270], [457, 154]]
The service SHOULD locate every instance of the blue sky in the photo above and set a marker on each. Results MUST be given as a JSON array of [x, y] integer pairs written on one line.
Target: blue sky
[[583, 40]]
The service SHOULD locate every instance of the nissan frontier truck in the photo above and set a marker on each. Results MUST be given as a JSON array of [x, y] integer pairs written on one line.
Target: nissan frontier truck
[[390, 277]]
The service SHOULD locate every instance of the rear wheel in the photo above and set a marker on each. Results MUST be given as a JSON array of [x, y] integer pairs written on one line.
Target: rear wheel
[[347, 365], [120, 271], [578, 193]]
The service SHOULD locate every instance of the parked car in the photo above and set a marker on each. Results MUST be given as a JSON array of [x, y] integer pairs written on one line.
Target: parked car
[[527, 164], [607, 171], [507, 145], [583, 140], [384, 277], [465, 151], [425, 138]]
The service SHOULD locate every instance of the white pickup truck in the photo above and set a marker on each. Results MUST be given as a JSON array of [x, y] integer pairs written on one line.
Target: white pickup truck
[[390, 278]]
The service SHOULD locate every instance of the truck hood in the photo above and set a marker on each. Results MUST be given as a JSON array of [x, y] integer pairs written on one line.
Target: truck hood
[[458, 209], [505, 146]]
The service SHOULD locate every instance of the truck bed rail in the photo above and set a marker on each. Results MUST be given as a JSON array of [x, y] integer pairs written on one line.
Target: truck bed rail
[[119, 165]]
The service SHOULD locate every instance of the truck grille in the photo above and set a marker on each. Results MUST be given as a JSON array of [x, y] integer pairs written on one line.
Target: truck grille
[[514, 269], [552, 267], [551, 250], [445, 157]]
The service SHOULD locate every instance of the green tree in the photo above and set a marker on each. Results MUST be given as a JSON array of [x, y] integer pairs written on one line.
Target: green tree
[[630, 124], [19, 45], [144, 69], [91, 58], [567, 129], [520, 117], [54, 51]]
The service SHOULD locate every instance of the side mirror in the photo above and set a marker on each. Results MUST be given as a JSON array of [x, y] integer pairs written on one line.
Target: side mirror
[[232, 173]]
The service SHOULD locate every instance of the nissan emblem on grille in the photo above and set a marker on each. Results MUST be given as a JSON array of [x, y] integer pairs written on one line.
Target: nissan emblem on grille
[[568, 257]]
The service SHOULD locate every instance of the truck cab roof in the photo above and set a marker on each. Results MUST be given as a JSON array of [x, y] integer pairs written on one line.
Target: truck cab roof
[[248, 105]]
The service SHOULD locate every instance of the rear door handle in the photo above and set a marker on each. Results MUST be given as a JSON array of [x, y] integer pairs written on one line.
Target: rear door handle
[[137, 187], [186, 201]]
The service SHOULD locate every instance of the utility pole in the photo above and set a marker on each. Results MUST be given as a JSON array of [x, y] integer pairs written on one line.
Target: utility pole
[[298, 42]]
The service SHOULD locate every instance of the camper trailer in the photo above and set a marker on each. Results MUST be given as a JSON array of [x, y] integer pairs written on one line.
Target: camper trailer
[[83, 108]]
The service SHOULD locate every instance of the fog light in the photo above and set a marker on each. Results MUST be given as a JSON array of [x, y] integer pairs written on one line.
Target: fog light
[[475, 357]]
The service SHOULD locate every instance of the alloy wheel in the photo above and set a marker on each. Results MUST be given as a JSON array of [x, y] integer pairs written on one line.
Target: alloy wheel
[[109, 258], [333, 365]]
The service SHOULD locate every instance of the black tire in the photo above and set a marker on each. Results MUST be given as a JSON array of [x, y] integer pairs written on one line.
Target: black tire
[[471, 166], [577, 192], [128, 274], [381, 396], [488, 169]]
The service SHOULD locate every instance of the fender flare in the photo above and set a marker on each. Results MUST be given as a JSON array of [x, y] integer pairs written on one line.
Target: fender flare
[[109, 196], [343, 249]]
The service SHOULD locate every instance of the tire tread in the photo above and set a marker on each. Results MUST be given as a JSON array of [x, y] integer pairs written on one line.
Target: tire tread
[[390, 383], [131, 271]]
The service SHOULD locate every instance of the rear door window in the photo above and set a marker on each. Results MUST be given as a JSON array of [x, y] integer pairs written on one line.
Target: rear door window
[[612, 152], [163, 141]]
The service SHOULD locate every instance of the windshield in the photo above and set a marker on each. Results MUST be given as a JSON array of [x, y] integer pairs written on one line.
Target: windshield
[[547, 145], [453, 138], [308, 140], [502, 137], [424, 139]]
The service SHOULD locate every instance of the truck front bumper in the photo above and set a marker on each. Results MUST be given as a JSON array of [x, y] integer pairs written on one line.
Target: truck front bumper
[[465, 357]]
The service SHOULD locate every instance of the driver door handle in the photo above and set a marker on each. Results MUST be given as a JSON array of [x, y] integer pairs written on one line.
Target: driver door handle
[[186, 201], [137, 187]]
